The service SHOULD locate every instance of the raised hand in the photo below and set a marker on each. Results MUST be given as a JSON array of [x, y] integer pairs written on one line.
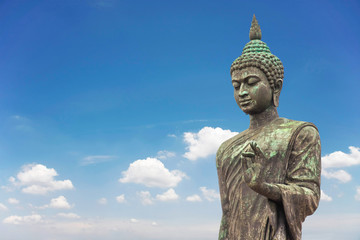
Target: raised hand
[[253, 160]]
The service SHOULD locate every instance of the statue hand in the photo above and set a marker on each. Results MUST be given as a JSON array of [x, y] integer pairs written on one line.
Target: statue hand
[[253, 167]]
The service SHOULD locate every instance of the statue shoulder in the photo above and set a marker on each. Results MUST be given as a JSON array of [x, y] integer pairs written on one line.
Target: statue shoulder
[[299, 125], [301, 132]]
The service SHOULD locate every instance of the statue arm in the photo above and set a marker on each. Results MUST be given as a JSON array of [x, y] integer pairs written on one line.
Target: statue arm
[[300, 194], [303, 167], [271, 191]]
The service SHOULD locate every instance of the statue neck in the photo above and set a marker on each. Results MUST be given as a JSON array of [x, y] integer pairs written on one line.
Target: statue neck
[[263, 118]]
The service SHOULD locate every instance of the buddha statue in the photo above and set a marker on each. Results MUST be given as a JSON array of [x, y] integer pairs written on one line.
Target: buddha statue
[[269, 174]]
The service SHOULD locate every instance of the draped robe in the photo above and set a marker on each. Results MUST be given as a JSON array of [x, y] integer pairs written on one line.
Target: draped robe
[[293, 152]]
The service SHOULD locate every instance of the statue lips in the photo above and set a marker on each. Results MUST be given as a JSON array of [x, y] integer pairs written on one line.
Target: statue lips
[[245, 102]]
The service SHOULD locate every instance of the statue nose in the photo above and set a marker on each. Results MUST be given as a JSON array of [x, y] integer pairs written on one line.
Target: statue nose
[[242, 91]]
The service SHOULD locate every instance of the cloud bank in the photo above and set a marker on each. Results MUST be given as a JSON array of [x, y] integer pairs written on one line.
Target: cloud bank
[[324, 197], [340, 175], [31, 219], [151, 172], [145, 197], [205, 142], [169, 195], [121, 198], [194, 198], [340, 159], [38, 179], [209, 194]]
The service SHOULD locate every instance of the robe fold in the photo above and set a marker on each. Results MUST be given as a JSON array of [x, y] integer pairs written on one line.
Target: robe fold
[[293, 152]]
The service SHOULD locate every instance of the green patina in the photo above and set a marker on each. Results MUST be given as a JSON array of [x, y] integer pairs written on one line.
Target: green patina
[[269, 174]]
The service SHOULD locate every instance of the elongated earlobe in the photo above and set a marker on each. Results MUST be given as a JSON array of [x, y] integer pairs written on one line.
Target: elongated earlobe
[[276, 100], [276, 93]]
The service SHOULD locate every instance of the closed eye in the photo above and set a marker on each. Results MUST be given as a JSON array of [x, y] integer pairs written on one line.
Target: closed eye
[[236, 85], [253, 80]]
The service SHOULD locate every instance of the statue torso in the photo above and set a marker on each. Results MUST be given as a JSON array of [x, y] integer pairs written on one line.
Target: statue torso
[[250, 215]]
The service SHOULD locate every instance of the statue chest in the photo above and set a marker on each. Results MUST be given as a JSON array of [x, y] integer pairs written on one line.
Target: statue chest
[[274, 141], [275, 162]]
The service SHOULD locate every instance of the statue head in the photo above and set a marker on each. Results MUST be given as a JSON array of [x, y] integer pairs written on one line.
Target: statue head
[[257, 75]]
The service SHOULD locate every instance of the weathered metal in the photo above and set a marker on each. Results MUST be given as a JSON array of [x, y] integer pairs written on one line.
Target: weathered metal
[[269, 174]]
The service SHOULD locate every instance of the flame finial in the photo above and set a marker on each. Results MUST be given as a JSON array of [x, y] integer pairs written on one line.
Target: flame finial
[[255, 31]]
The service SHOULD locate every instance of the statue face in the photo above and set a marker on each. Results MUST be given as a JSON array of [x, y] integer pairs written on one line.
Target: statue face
[[252, 90]]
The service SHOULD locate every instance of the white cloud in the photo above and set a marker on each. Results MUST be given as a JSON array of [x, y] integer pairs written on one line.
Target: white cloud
[[341, 159], [133, 220], [340, 175], [154, 223], [171, 135], [102, 201], [209, 194], [121, 198], [38, 179], [325, 197], [357, 195], [59, 202], [96, 159], [151, 172], [169, 195], [13, 201], [35, 218], [3, 207], [165, 154], [145, 197], [194, 198], [205, 142], [69, 215]]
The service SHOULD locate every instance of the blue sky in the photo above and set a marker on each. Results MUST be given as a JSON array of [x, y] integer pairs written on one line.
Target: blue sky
[[111, 111]]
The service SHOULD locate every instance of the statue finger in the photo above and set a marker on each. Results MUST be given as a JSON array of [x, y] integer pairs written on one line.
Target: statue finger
[[248, 154], [255, 147]]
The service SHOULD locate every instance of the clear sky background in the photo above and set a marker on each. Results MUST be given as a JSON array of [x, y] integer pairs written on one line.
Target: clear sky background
[[111, 112]]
